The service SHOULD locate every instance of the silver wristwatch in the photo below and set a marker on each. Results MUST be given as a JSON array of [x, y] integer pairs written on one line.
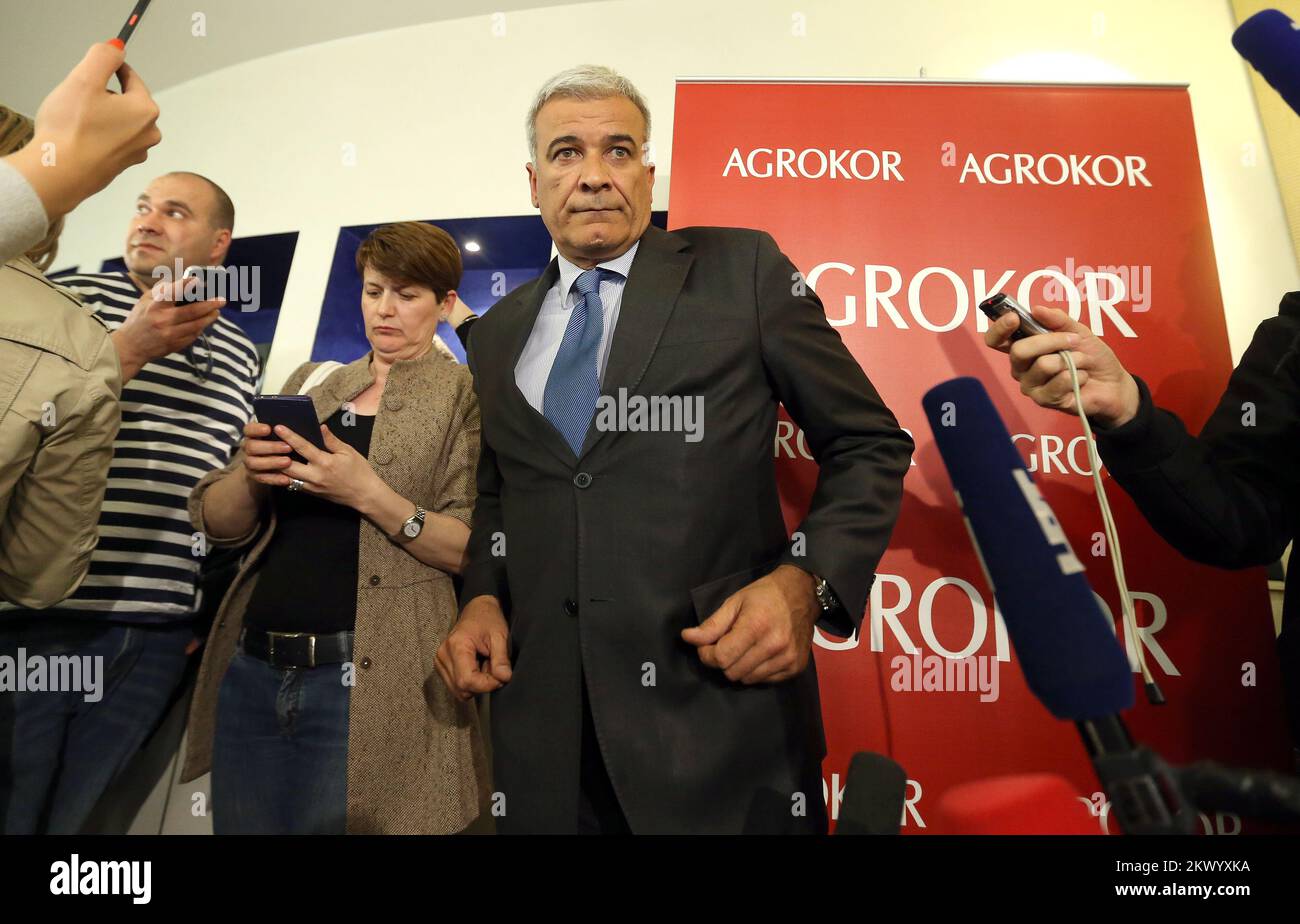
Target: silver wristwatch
[[825, 596], [411, 528]]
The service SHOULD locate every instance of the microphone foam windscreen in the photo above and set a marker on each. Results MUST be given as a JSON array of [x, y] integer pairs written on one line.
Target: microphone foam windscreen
[[1066, 646], [873, 796], [1269, 41]]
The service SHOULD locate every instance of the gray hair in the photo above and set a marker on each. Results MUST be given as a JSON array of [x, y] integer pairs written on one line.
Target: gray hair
[[584, 82]]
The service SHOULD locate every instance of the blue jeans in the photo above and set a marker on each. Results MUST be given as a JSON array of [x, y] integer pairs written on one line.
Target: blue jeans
[[280, 757], [59, 750]]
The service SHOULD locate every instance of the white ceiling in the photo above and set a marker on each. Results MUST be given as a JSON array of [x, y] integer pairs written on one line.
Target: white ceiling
[[40, 40]]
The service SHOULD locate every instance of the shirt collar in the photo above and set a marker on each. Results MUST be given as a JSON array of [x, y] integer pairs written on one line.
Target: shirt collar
[[569, 273]]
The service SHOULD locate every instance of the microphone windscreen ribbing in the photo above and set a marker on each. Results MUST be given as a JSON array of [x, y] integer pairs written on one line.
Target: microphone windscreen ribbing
[[1067, 648], [1270, 42], [873, 796]]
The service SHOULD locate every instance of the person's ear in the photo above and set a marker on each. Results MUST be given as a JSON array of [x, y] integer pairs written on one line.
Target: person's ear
[[532, 184], [447, 305], [220, 247]]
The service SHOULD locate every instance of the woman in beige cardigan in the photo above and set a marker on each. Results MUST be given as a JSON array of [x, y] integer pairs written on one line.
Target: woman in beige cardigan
[[318, 706]]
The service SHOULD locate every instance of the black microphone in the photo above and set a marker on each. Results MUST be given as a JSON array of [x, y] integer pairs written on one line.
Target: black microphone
[[873, 796], [1261, 794]]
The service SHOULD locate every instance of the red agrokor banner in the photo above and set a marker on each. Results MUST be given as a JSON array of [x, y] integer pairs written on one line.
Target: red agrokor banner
[[904, 205]]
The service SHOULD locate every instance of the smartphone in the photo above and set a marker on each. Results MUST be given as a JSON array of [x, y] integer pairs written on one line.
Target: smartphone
[[995, 306], [293, 411]]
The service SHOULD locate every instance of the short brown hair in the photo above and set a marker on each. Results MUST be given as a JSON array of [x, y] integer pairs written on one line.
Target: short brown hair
[[413, 252]]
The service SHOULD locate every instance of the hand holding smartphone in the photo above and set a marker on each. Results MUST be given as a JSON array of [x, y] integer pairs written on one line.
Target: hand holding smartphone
[[297, 412]]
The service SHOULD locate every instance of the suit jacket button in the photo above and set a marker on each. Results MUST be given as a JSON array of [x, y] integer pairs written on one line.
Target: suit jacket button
[[365, 664], [374, 580], [570, 608], [393, 403], [383, 456], [582, 480]]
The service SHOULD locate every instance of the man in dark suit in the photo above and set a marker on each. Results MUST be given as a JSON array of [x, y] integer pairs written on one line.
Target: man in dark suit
[[631, 599]]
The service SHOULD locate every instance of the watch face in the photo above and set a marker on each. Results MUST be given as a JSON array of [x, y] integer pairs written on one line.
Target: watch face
[[412, 528]]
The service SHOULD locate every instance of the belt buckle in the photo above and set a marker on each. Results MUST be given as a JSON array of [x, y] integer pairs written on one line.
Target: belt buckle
[[311, 647]]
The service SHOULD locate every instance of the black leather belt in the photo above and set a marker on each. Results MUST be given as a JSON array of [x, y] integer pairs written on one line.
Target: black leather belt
[[291, 650]]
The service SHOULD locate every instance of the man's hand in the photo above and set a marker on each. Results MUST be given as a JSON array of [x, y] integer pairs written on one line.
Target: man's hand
[[1110, 395], [85, 134], [474, 658], [157, 326], [763, 632]]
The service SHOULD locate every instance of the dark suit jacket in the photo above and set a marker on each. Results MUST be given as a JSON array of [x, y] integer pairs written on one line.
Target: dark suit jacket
[[608, 556]]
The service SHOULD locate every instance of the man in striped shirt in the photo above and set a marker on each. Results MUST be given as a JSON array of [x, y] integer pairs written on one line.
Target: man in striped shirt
[[189, 387]]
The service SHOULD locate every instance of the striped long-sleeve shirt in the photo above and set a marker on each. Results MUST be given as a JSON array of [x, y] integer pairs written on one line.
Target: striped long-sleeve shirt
[[180, 420]]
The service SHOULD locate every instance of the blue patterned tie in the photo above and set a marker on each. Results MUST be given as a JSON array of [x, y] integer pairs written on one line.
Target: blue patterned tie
[[574, 383]]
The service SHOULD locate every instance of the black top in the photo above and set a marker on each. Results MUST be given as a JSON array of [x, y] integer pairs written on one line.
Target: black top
[[307, 581], [1229, 497]]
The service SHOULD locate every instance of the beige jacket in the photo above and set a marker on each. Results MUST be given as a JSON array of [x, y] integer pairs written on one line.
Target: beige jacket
[[416, 763], [59, 387]]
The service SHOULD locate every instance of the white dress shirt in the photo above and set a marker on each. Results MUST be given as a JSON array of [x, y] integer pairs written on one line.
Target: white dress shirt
[[534, 366]]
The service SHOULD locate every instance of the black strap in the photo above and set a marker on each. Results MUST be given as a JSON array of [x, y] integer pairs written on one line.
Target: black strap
[[293, 651]]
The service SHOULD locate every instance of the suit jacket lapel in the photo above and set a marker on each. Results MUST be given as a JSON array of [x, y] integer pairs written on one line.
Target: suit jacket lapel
[[653, 284], [517, 339]]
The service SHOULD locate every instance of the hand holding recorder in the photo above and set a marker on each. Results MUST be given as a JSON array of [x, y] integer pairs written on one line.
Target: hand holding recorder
[[1110, 395]]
